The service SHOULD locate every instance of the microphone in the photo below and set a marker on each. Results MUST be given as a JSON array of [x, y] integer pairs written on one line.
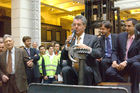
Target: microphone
[[137, 30], [73, 35]]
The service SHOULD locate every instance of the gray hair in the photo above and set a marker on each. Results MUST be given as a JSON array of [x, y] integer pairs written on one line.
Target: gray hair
[[7, 36], [81, 17]]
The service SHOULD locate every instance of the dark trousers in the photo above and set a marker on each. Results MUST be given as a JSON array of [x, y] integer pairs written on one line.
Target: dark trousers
[[31, 77], [10, 86], [0, 86], [50, 80], [132, 69], [70, 76], [0, 89], [103, 66]]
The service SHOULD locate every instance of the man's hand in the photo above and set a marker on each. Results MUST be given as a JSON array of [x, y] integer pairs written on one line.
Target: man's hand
[[30, 63], [68, 39], [122, 65], [99, 60], [56, 77], [45, 77], [5, 78], [115, 64]]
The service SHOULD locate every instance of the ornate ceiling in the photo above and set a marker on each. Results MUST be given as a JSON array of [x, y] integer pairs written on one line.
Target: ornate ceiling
[[72, 7]]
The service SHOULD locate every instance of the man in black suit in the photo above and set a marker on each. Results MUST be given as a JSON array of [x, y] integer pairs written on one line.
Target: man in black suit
[[126, 57], [33, 74], [108, 43], [90, 42]]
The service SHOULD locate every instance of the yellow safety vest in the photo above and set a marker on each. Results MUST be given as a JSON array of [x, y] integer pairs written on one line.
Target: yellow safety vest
[[50, 65], [40, 64]]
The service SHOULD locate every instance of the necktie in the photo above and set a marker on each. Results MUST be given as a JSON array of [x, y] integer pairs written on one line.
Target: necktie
[[9, 63], [109, 51], [56, 53], [78, 40]]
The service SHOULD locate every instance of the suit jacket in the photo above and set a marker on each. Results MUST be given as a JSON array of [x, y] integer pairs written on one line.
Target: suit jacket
[[32, 54], [120, 51], [20, 75], [102, 43], [91, 41]]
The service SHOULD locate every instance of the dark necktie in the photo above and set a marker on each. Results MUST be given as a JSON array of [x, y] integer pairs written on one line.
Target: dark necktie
[[109, 51], [9, 63]]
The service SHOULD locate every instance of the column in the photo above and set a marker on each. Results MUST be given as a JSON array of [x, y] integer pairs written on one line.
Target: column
[[26, 20]]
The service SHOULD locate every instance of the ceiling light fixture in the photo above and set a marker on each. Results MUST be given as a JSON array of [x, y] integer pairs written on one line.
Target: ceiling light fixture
[[135, 12], [51, 4], [69, 9]]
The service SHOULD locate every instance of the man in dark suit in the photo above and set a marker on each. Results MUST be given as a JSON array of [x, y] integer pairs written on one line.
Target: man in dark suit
[[1, 50], [33, 74], [12, 69], [108, 43], [126, 57], [90, 42]]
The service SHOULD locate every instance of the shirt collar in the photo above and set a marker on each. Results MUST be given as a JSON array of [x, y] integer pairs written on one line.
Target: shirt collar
[[12, 50], [131, 37], [27, 48], [50, 55], [109, 36], [82, 35]]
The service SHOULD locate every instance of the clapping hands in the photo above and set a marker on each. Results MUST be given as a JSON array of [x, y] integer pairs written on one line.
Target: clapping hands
[[120, 66]]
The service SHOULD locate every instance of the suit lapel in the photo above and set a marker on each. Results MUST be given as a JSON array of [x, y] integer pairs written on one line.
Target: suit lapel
[[103, 44], [16, 57], [86, 40], [31, 52], [124, 43], [113, 40], [132, 45], [4, 58], [26, 51]]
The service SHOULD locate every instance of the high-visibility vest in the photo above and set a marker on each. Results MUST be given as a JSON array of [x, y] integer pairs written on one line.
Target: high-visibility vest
[[50, 65], [40, 64]]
